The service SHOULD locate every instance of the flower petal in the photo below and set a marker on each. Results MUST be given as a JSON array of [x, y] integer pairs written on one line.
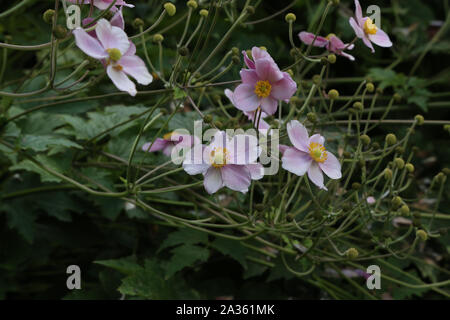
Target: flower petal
[[317, 138], [269, 105], [121, 81], [308, 38], [316, 175], [358, 30], [358, 11], [268, 70], [331, 167], [89, 45], [213, 180], [298, 135], [296, 161], [256, 171], [243, 149], [117, 20], [381, 39], [135, 67], [235, 177], [112, 37], [229, 94], [284, 89], [258, 53], [159, 144], [245, 98], [249, 63], [249, 77], [367, 42]]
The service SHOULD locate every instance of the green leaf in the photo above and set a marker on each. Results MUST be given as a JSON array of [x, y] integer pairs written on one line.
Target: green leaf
[[231, 248], [184, 236], [21, 218], [126, 265], [185, 256], [42, 143]]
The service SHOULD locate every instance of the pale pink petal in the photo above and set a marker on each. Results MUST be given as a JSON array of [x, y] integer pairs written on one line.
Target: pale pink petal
[[243, 149], [267, 70], [358, 30], [284, 89], [213, 180], [282, 148], [258, 53], [269, 105], [296, 161], [89, 45], [371, 200], [183, 140], [235, 177], [135, 67], [317, 138], [249, 77], [331, 167], [245, 98], [167, 150], [117, 20], [316, 176], [298, 135], [121, 81], [247, 60], [308, 38], [131, 50], [358, 11], [158, 145], [348, 56], [112, 37], [229, 94], [256, 171], [193, 162], [367, 42], [380, 39]]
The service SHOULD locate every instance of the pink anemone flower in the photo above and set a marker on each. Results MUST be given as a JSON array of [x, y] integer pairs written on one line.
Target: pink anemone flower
[[331, 42], [309, 155], [263, 86], [226, 162], [263, 125], [366, 30], [116, 21], [170, 141], [112, 47], [103, 4]]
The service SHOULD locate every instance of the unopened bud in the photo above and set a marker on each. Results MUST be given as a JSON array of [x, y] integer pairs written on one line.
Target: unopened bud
[[358, 106], [331, 58], [183, 51], [409, 167], [311, 117], [419, 119], [400, 163], [137, 23], [48, 16], [352, 253], [333, 94], [290, 17], [192, 4], [60, 32], [388, 174], [170, 8], [158, 38], [391, 139], [370, 87], [404, 210], [204, 13], [422, 235], [365, 139]]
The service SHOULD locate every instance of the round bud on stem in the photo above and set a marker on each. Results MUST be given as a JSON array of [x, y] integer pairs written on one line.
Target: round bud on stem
[[170, 8], [290, 17], [409, 167], [204, 13], [331, 58], [207, 118], [352, 253], [370, 87], [316, 79], [387, 174], [137, 23], [397, 201], [333, 94], [60, 32], [404, 210], [183, 51], [250, 10], [192, 4], [48, 16], [358, 106], [365, 139], [356, 185], [399, 163], [419, 119], [236, 59], [158, 38], [391, 139], [311, 117], [375, 145], [447, 127], [422, 235], [397, 97], [235, 50]]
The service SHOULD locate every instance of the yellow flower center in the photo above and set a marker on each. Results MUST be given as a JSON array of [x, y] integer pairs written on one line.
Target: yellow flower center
[[168, 136], [317, 152], [370, 27], [219, 157], [328, 37], [114, 54], [118, 67], [263, 89]]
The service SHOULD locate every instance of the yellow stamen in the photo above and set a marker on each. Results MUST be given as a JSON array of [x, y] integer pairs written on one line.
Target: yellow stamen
[[328, 37], [317, 152], [370, 27], [263, 89], [168, 136], [219, 157], [118, 67]]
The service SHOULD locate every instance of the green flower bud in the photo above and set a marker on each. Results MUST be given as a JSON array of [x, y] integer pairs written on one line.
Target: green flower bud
[[331, 58], [352, 253], [397, 201], [250, 10], [440, 177], [183, 51], [397, 97], [404, 210], [170, 8], [375, 145], [365, 139], [333, 94], [249, 54], [290, 17], [137, 23], [400, 163], [48, 16], [207, 118], [290, 72], [192, 4], [409, 167], [400, 150], [370, 87], [422, 235], [447, 127], [391, 139], [311, 117], [236, 59], [218, 124], [356, 185], [324, 61], [316, 79], [419, 119], [59, 32], [388, 174], [235, 50], [204, 13], [158, 38], [379, 90], [358, 106]]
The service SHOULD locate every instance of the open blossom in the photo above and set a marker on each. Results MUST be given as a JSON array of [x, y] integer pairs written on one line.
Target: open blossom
[[170, 141], [112, 47], [308, 154], [103, 4], [226, 162], [366, 30], [251, 115], [331, 42], [263, 85]]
